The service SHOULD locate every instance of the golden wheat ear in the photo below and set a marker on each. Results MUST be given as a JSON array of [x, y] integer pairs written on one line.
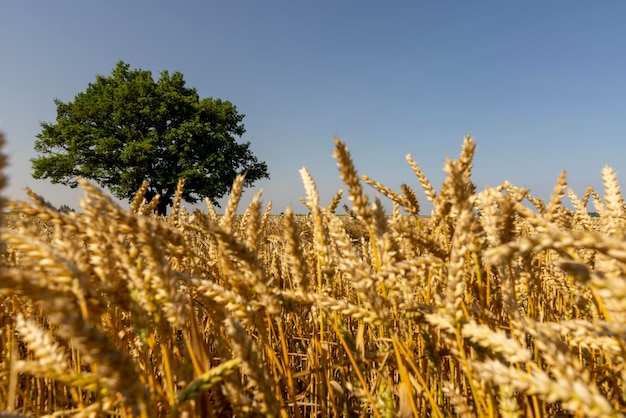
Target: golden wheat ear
[[252, 223], [349, 175], [429, 190], [233, 202], [615, 212], [138, 201]]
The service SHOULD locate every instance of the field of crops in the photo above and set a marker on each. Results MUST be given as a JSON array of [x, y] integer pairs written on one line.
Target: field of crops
[[497, 305]]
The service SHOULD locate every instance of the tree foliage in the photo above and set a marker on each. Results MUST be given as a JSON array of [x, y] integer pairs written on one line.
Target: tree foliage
[[127, 127]]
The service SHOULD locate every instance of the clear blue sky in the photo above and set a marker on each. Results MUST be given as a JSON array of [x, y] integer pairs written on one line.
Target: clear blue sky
[[540, 85]]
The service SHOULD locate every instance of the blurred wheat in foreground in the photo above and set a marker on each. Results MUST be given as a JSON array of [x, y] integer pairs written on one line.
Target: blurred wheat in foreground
[[497, 305]]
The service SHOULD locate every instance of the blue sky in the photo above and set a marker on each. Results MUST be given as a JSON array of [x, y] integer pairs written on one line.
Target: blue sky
[[540, 85]]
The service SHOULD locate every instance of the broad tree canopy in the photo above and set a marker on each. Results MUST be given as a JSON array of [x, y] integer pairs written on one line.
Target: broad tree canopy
[[127, 127]]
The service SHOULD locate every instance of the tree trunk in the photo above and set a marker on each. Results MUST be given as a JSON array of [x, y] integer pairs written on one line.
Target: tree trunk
[[162, 207]]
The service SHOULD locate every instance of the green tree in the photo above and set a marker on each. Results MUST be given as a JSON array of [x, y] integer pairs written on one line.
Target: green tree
[[127, 127]]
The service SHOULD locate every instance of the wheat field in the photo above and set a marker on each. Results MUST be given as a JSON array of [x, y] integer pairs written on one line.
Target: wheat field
[[496, 305]]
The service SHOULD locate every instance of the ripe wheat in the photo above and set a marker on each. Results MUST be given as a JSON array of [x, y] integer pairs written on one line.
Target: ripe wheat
[[496, 305]]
